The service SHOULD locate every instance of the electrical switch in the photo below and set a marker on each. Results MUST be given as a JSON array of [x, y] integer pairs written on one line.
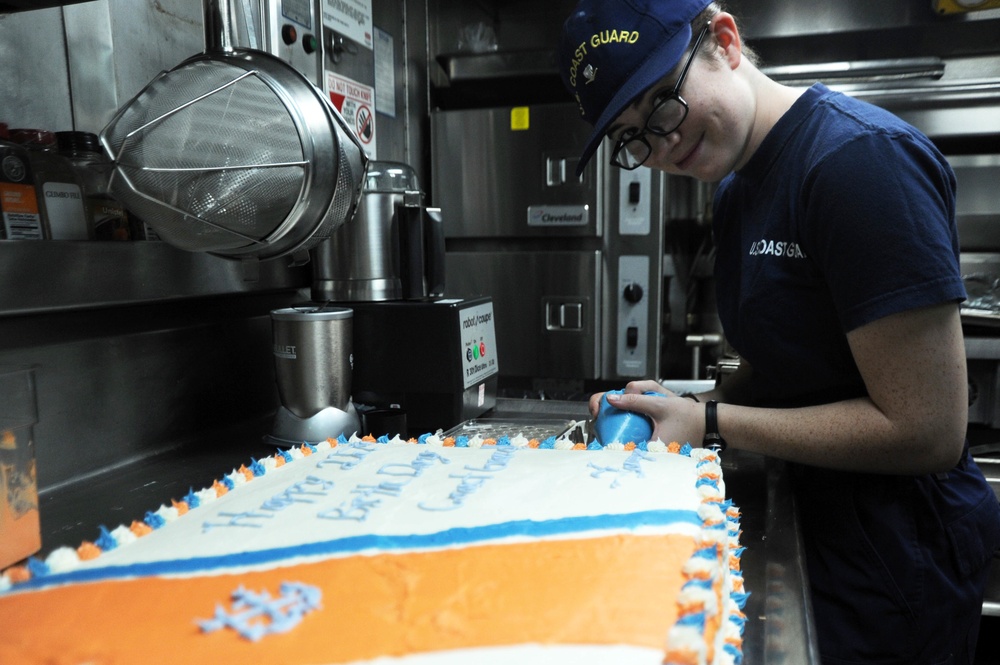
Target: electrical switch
[[632, 337]]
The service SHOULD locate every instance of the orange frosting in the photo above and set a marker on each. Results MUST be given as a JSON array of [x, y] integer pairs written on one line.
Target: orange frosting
[[17, 574], [140, 528], [181, 506], [547, 592], [219, 488], [88, 550], [681, 657]]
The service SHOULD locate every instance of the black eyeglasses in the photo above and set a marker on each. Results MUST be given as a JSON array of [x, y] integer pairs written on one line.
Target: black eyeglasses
[[669, 111]]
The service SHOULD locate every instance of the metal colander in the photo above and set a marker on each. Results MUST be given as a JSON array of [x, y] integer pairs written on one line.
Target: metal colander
[[236, 153]]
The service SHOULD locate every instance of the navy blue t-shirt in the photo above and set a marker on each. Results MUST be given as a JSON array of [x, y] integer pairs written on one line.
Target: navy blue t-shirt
[[845, 214]]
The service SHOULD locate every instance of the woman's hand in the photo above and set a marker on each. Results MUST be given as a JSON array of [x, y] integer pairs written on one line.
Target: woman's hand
[[674, 418]]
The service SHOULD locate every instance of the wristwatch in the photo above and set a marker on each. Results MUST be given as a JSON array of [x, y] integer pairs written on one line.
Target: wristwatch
[[713, 440]]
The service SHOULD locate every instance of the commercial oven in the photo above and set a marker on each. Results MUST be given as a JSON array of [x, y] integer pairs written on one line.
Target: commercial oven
[[573, 264]]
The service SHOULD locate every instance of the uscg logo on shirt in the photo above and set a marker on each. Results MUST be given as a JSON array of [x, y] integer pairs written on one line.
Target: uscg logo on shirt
[[765, 247]]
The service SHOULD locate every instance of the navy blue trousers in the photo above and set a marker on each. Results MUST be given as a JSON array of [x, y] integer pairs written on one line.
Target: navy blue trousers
[[897, 564]]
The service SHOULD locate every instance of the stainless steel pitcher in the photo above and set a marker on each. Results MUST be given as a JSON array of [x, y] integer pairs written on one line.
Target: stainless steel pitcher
[[393, 249]]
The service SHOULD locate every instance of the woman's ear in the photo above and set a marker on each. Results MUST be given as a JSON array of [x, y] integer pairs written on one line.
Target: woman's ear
[[727, 36]]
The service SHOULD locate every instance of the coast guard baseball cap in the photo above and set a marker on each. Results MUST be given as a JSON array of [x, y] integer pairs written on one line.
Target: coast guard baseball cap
[[612, 51]]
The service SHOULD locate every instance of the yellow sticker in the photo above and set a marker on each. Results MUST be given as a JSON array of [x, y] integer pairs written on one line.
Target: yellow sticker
[[956, 6], [520, 118]]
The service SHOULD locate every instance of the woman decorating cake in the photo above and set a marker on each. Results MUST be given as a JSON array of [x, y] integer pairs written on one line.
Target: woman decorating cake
[[838, 283]]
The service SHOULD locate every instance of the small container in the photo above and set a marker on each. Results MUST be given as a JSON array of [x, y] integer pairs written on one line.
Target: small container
[[19, 205], [20, 532], [59, 189], [106, 217]]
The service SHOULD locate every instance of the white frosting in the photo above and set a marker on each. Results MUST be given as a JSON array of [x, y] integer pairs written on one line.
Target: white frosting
[[656, 446], [687, 638], [563, 444], [436, 490], [237, 478], [123, 536], [520, 441], [62, 559], [168, 513], [206, 496], [711, 513], [701, 568]]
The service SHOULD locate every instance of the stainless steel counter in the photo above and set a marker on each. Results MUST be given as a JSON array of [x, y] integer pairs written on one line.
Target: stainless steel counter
[[780, 621]]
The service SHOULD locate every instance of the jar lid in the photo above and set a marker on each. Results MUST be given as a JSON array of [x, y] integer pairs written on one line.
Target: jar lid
[[78, 142], [390, 177], [33, 137], [312, 313]]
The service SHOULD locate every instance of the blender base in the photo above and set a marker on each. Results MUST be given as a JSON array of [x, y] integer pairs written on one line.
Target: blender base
[[331, 422]]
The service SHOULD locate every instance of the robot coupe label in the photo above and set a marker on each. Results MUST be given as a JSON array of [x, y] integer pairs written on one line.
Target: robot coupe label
[[558, 215], [479, 344]]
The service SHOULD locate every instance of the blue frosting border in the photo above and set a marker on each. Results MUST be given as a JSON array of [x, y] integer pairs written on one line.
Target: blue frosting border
[[356, 544]]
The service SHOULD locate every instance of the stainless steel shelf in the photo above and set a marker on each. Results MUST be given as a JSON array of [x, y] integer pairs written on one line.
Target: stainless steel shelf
[[42, 276]]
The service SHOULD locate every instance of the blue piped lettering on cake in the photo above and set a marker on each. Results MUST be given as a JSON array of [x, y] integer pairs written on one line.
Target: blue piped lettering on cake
[[244, 519], [415, 468], [364, 500], [300, 492], [348, 456], [632, 466], [498, 461], [469, 483], [256, 615], [356, 509]]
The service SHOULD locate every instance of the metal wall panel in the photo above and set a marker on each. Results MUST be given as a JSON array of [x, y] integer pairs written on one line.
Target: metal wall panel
[[34, 85]]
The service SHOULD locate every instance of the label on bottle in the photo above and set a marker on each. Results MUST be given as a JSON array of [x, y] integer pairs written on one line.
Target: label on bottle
[[21, 220], [18, 203], [66, 211], [110, 221]]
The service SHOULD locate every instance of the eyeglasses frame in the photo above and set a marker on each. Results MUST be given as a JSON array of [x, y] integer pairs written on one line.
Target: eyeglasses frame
[[673, 94]]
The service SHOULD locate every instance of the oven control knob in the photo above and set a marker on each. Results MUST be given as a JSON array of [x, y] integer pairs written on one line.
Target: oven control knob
[[632, 293]]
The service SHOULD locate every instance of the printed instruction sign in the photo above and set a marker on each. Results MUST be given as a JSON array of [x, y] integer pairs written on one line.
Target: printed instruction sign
[[351, 18], [356, 102]]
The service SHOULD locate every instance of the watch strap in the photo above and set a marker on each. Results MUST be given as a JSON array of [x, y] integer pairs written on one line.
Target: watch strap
[[713, 440]]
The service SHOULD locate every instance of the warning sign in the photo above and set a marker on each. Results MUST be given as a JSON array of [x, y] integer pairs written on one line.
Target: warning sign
[[356, 102]]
